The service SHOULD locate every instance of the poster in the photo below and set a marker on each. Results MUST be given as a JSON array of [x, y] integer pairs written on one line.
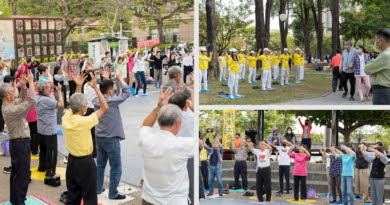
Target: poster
[[28, 39], [123, 46], [58, 37], [19, 25], [51, 37], [51, 50], [37, 51], [36, 38], [21, 52], [44, 48], [44, 38], [44, 25], [35, 24], [94, 52], [229, 129], [29, 51], [7, 47], [148, 43], [28, 25], [51, 25], [105, 45], [59, 50]]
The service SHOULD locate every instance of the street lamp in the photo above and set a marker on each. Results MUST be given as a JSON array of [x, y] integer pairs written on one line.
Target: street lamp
[[283, 17], [1, 13], [120, 25]]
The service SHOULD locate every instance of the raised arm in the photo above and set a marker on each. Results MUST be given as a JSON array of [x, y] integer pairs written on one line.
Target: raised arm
[[103, 103], [250, 147], [60, 98], [306, 152], [348, 150], [323, 152], [290, 150], [334, 151], [162, 100]]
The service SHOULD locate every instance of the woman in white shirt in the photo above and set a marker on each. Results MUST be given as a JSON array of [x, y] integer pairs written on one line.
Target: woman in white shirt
[[359, 64], [139, 70]]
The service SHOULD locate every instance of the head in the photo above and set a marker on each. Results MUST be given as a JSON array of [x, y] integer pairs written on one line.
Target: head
[[274, 129], [252, 53], [175, 74], [13, 71], [242, 143], [266, 51], [45, 88], [57, 70], [104, 59], [289, 130], [203, 51], [250, 124], [222, 53], [42, 71], [29, 61], [158, 54], [378, 144], [179, 99], [169, 118], [7, 93], [382, 39], [348, 45], [307, 122], [9, 79], [82, 57], [262, 145], [361, 49], [338, 51], [78, 104], [120, 59], [238, 136], [381, 150], [154, 49], [285, 51], [107, 88], [301, 150], [139, 56], [216, 143], [107, 53]]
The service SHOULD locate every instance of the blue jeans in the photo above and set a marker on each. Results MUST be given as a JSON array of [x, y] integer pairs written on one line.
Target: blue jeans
[[347, 189], [140, 76], [215, 172], [108, 149], [201, 186]]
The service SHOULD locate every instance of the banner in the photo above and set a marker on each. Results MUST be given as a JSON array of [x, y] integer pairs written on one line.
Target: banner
[[7, 47], [123, 46], [148, 43], [94, 51], [229, 128]]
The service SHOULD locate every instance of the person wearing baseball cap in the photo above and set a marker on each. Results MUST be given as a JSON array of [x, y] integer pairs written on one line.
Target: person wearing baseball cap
[[266, 61], [203, 67], [285, 57], [241, 59], [252, 58], [234, 73]]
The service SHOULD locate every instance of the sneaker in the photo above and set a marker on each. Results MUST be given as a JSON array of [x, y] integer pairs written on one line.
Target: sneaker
[[351, 99], [231, 97], [102, 191], [357, 197], [279, 192], [65, 160], [136, 96], [210, 194], [287, 192], [281, 84], [334, 90], [344, 95], [264, 89], [220, 194], [7, 170], [119, 197]]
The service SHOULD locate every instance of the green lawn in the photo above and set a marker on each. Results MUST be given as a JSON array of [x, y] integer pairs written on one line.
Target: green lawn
[[316, 84]]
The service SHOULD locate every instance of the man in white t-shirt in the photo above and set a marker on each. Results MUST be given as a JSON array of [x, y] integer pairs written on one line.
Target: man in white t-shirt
[[284, 165], [263, 173]]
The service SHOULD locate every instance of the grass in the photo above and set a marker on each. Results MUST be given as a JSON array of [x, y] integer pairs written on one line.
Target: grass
[[316, 84]]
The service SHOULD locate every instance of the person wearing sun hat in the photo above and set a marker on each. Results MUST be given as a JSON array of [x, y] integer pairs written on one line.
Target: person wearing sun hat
[[252, 58], [234, 73], [266, 61], [203, 67], [285, 57]]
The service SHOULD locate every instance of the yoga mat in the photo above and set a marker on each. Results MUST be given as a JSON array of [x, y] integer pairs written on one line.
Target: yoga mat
[[224, 80], [34, 199], [143, 95], [299, 82], [301, 201], [228, 86], [237, 190], [258, 202], [132, 90], [205, 91], [41, 175], [255, 197], [59, 132], [287, 85], [252, 83], [360, 198], [268, 89], [337, 202], [234, 96]]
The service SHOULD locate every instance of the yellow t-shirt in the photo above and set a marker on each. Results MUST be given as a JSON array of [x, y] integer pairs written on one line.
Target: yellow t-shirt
[[222, 61], [298, 59], [252, 61], [204, 62], [285, 59], [275, 60], [77, 129], [266, 61], [241, 58], [203, 155], [234, 65]]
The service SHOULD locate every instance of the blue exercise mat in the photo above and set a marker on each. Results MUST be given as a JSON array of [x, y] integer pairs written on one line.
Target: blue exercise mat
[[337, 202], [132, 90], [143, 95], [59, 132], [224, 80], [253, 82], [205, 91], [287, 85], [236, 190], [228, 86], [227, 96], [268, 89]]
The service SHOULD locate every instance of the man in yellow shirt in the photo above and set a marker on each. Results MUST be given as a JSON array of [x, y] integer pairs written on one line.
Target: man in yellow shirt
[[241, 59], [298, 64], [81, 179], [252, 66], [203, 67], [285, 67], [275, 64], [266, 61], [234, 74]]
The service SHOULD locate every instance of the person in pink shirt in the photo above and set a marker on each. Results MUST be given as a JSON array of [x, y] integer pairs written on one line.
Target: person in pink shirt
[[31, 118], [300, 171], [130, 66]]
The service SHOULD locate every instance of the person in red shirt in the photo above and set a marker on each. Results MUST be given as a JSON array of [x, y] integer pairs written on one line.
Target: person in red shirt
[[336, 72]]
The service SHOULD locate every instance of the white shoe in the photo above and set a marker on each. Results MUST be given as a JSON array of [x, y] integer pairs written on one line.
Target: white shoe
[[136, 96], [146, 94], [281, 84], [65, 160], [264, 89], [231, 96]]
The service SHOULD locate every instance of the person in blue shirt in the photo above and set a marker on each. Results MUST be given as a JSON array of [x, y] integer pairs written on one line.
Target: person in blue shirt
[[348, 158]]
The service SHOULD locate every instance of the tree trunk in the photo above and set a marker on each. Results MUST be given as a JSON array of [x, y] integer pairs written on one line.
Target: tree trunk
[[306, 29], [335, 10], [212, 36], [282, 25], [160, 27], [319, 27], [267, 22], [259, 15]]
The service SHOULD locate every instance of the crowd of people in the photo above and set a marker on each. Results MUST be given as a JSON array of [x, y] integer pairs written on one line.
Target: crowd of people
[[350, 171]]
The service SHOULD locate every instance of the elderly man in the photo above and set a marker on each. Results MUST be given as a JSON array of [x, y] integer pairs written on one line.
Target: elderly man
[[19, 134], [346, 69], [109, 132], [379, 69], [47, 128], [175, 75], [81, 169], [165, 155], [187, 127]]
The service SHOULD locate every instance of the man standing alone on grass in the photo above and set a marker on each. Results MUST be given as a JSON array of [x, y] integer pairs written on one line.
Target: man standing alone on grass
[[379, 69], [81, 169], [19, 144], [109, 132]]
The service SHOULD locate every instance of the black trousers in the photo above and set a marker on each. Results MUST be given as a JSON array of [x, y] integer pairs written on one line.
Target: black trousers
[[187, 70], [336, 184], [284, 171], [302, 181], [81, 180], [1, 117], [352, 82], [72, 87], [336, 79], [306, 142], [381, 96], [34, 137], [240, 168], [48, 154], [20, 172], [263, 183], [204, 168], [190, 170], [94, 153]]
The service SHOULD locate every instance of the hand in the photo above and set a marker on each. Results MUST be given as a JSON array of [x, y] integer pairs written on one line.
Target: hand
[[92, 83], [138, 49], [30, 77], [164, 96], [180, 89], [350, 66], [58, 88], [211, 53], [370, 149], [79, 80], [71, 52]]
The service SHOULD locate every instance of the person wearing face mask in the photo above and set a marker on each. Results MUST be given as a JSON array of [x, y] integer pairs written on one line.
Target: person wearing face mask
[[377, 175], [306, 136], [347, 70], [358, 64], [379, 69], [275, 137], [284, 165], [290, 136]]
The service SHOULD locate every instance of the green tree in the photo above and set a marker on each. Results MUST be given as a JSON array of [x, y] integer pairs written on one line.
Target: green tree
[[6, 9]]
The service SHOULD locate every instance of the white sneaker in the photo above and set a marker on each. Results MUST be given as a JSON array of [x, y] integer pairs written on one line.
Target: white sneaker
[[231, 96], [264, 89], [65, 160], [136, 96], [281, 84], [146, 94]]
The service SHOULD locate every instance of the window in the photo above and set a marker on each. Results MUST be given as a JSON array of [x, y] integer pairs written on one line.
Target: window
[[169, 32]]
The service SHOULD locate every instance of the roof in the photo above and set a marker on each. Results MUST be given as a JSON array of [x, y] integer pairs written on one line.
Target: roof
[[37, 17], [96, 23], [109, 38]]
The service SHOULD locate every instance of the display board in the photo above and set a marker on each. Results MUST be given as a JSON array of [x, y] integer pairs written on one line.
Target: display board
[[7, 39]]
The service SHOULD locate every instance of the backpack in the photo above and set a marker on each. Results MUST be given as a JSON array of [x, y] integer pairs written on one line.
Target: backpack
[[5, 147], [311, 193]]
